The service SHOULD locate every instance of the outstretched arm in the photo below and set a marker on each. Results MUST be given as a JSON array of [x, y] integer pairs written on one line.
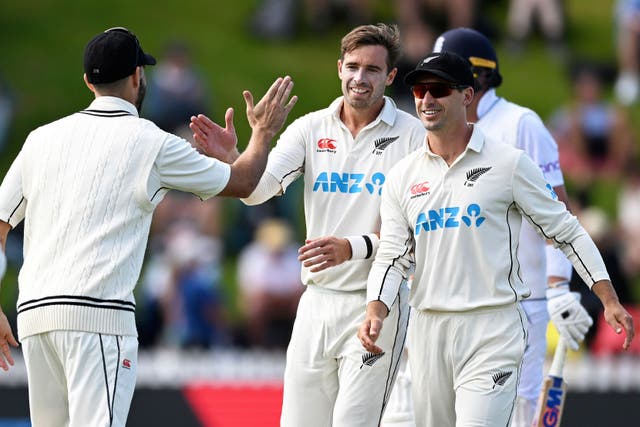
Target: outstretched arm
[[266, 118]]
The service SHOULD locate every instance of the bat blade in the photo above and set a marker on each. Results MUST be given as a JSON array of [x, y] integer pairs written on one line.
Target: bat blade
[[553, 393]]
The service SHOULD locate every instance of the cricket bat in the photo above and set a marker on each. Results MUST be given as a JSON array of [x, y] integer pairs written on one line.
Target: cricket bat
[[553, 393]]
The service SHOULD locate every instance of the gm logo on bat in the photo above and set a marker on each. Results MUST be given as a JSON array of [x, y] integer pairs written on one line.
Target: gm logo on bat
[[551, 414]]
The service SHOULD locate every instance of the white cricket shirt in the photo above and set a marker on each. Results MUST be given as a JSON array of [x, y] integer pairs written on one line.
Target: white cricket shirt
[[343, 177], [463, 224], [86, 186], [522, 128]]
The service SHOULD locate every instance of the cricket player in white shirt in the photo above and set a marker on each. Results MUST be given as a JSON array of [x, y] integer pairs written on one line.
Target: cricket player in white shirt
[[455, 208], [86, 186], [344, 153], [545, 270]]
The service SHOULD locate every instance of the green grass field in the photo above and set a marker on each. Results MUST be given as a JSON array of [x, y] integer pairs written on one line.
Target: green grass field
[[41, 44]]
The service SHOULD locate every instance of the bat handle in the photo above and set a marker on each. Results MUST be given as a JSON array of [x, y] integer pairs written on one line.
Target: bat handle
[[559, 356]]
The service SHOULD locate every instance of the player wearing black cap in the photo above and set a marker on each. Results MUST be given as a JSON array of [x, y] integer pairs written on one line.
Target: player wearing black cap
[[454, 211], [522, 128], [86, 186], [545, 270]]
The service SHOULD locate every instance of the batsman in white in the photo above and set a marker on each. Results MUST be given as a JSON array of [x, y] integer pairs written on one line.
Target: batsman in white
[[546, 271], [344, 153], [86, 186], [455, 209]]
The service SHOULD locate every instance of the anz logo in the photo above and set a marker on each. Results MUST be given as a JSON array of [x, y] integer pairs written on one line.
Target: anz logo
[[450, 217], [345, 182]]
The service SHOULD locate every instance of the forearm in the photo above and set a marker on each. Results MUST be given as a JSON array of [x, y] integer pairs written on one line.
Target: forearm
[[267, 187], [249, 166], [605, 292]]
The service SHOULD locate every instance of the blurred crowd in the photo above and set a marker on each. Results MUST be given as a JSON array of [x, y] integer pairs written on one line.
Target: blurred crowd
[[221, 274]]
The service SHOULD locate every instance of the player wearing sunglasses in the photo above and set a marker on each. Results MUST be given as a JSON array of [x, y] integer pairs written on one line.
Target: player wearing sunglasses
[[454, 210]]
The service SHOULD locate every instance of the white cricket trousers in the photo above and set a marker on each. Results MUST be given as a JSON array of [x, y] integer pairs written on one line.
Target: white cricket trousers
[[465, 366], [532, 363], [399, 411], [330, 380], [80, 379]]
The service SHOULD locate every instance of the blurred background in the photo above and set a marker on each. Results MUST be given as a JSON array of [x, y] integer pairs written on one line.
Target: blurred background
[[220, 285]]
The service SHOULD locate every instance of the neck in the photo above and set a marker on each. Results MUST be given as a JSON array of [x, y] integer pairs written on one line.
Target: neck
[[472, 109], [356, 119], [451, 143]]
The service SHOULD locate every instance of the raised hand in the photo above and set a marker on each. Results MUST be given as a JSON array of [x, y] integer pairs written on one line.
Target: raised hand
[[270, 113], [213, 140]]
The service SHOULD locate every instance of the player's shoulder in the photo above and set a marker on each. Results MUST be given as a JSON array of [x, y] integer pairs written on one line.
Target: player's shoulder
[[522, 113]]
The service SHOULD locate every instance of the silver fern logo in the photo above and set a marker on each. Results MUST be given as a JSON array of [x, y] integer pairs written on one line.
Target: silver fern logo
[[500, 378], [370, 358], [382, 143], [474, 174]]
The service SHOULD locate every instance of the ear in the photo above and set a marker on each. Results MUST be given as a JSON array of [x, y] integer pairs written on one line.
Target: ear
[[391, 76], [136, 76], [340, 68], [468, 96], [89, 85]]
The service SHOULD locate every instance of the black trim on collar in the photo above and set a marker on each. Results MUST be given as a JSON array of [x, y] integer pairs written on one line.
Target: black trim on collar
[[106, 113]]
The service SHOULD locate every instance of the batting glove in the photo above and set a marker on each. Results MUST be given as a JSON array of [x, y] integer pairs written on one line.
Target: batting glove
[[567, 314], [3, 264]]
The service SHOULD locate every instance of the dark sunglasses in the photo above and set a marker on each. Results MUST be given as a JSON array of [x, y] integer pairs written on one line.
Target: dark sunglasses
[[436, 89]]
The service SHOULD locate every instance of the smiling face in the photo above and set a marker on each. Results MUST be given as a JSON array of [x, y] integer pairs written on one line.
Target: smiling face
[[364, 76], [439, 113]]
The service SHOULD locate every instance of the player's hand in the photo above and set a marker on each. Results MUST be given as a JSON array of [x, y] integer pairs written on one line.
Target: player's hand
[[6, 339], [569, 316], [270, 113], [213, 140], [369, 330], [324, 252], [619, 318]]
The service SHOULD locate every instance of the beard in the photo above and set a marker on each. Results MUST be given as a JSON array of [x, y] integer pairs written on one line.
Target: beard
[[142, 91]]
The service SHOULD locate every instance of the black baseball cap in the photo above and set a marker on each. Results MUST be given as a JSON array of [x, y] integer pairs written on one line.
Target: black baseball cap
[[446, 65], [113, 55], [472, 45]]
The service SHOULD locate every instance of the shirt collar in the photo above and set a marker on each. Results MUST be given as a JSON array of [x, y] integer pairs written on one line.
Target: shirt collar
[[388, 113], [113, 103], [476, 142], [487, 102]]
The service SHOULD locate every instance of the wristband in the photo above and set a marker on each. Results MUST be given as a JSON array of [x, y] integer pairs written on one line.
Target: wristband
[[557, 263], [363, 247]]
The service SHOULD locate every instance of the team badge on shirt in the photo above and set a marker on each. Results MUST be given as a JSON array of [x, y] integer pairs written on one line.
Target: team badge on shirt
[[474, 174], [382, 143]]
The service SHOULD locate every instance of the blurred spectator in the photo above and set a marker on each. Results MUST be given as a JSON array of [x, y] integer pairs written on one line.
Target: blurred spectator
[[594, 136], [277, 19], [176, 90], [627, 40], [270, 285], [628, 209], [548, 14], [417, 41], [6, 111], [182, 297]]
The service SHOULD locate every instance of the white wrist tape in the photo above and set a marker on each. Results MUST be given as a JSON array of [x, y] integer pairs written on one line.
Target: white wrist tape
[[557, 263], [363, 247]]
